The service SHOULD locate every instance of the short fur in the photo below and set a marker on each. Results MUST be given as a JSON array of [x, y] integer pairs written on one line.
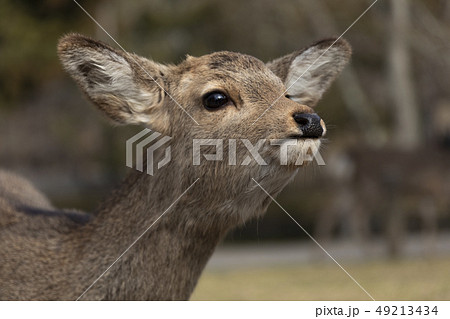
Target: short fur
[[47, 254]]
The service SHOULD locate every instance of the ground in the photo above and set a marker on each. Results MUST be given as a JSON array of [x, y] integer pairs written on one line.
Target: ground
[[412, 279]]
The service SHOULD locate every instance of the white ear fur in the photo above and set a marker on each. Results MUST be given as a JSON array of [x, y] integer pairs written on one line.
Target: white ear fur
[[309, 73], [113, 80]]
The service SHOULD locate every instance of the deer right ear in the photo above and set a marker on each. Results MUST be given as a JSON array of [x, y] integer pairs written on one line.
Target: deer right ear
[[308, 73], [126, 87]]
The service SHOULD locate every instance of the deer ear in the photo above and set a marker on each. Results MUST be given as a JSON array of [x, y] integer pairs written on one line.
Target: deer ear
[[126, 87], [308, 73]]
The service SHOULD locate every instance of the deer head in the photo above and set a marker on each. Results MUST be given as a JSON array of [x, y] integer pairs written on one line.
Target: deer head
[[223, 95]]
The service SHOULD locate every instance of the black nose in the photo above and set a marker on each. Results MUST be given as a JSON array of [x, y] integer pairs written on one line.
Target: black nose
[[309, 124]]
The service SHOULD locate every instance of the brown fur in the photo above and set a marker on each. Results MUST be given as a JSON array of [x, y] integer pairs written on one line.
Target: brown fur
[[48, 254]]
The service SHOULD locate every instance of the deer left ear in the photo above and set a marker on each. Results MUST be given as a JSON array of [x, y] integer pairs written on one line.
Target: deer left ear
[[127, 88], [308, 73]]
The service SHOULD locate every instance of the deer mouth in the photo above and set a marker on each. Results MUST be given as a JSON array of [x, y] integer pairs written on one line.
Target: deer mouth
[[299, 136]]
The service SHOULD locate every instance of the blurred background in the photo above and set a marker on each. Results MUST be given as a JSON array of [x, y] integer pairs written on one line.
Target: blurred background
[[381, 205]]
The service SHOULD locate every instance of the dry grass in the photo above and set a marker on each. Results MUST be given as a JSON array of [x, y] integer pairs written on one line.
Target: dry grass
[[385, 280]]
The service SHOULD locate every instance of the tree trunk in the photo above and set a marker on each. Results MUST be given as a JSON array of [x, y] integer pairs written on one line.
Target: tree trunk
[[406, 124]]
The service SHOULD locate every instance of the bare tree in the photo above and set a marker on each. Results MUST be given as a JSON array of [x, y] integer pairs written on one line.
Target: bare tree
[[406, 127]]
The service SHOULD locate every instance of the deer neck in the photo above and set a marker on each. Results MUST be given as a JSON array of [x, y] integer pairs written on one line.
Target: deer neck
[[172, 221], [171, 239]]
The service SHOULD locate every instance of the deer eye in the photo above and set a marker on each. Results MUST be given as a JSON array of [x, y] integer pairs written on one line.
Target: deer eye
[[214, 100]]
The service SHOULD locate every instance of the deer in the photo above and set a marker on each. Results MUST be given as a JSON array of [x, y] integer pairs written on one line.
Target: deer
[[48, 253]]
